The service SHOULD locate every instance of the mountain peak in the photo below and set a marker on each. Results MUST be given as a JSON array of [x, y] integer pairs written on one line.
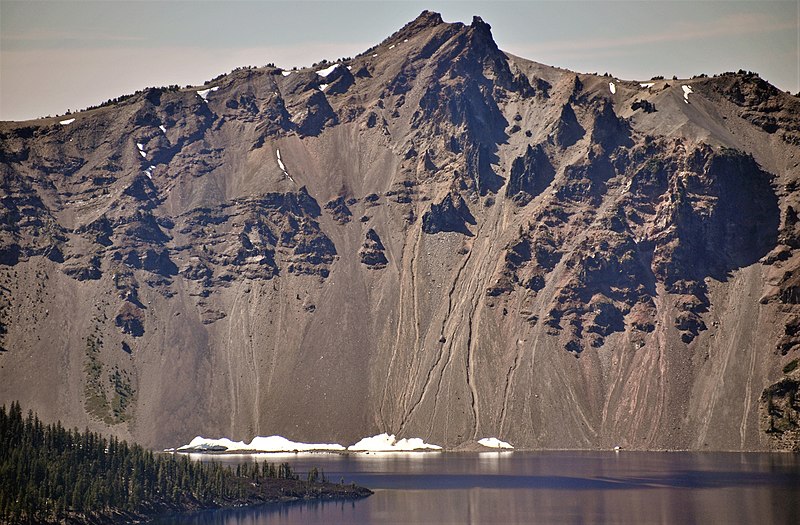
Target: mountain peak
[[425, 20], [482, 35], [479, 24], [426, 23], [428, 19]]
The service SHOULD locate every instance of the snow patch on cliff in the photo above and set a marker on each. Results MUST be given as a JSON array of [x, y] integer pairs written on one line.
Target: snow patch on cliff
[[687, 90], [281, 165], [204, 92], [327, 71]]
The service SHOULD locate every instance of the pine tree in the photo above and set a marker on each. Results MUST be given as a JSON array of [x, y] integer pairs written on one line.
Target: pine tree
[[48, 472]]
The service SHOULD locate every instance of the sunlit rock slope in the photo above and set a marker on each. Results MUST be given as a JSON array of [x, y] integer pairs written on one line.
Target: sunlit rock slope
[[433, 239]]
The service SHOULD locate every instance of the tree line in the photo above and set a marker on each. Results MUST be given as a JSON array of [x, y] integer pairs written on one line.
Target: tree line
[[48, 473]]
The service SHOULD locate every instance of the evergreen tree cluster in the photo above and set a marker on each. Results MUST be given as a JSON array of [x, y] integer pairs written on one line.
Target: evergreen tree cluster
[[48, 473]]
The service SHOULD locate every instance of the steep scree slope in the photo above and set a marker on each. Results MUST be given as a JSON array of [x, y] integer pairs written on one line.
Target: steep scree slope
[[433, 239]]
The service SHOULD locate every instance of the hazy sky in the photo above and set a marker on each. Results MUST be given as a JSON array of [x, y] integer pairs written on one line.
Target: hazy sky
[[56, 55]]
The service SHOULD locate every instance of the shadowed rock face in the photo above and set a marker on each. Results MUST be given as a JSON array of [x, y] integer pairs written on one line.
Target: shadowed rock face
[[450, 215], [339, 210], [436, 240], [373, 251], [530, 175], [780, 410]]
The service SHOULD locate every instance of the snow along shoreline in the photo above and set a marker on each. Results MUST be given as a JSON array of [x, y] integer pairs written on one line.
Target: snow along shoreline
[[279, 444]]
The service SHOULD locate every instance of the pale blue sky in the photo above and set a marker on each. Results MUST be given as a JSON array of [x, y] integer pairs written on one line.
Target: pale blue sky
[[56, 55]]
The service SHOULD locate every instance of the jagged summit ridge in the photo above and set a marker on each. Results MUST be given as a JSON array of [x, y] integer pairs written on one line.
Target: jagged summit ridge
[[426, 20], [433, 238]]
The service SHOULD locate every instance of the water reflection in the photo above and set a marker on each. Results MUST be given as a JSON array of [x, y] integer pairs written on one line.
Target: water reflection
[[562, 487]]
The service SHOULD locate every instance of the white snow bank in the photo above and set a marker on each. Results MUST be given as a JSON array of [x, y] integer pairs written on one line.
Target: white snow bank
[[647, 84], [140, 146], [388, 443], [204, 92], [149, 172], [327, 71], [162, 128], [280, 162], [201, 443], [374, 55], [259, 444], [66, 122], [286, 73], [281, 444], [379, 443], [687, 90], [612, 87], [391, 46], [494, 443], [322, 87]]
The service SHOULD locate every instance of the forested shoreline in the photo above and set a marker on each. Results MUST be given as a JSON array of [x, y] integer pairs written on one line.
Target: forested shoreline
[[49, 474]]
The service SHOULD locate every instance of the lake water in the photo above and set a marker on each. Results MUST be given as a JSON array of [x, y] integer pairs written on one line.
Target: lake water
[[540, 487]]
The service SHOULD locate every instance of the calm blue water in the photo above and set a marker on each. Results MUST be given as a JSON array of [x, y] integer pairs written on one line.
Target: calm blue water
[[540, 487]]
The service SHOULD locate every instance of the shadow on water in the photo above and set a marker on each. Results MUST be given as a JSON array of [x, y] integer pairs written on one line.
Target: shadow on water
[[676, 480], [258, 514], [559, 487]]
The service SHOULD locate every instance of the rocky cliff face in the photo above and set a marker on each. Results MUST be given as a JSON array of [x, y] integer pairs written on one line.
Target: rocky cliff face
[[432, 239]]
